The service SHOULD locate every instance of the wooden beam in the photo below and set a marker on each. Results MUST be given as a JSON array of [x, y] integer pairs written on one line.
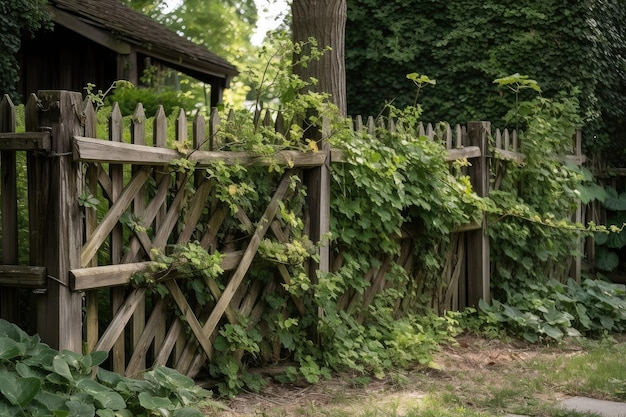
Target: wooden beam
[[509, 155], [96, 150], [100, 37], [461, 153], [336, 155], [22, 276], [84, 279], [29, 141]]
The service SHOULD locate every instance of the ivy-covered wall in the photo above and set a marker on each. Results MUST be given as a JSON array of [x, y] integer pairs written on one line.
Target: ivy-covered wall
[[576, 47]]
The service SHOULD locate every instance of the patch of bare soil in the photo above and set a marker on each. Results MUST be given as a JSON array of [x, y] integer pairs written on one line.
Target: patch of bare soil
[[471, 360]]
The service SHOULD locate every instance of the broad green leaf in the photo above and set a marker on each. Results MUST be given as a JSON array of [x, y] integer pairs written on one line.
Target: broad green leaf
[[104, 396], [9, 348], [583, 318], [19, 391], [11, 331], [187, 412], [97, 358], [169, 378], [606, 260], [615, 202], [51, 401], [552, 331], [61, 367], [150, 402], [80, 409], [607, 322]]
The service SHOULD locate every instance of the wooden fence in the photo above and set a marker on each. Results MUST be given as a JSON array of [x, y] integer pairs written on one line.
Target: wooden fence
[[66, 239]]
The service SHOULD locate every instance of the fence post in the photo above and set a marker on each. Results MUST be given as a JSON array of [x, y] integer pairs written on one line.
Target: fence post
[[8, 296], [317, 181], [478, 273], [58, 179]]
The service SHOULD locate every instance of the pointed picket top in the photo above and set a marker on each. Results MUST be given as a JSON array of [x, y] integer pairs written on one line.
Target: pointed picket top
[[371, 125], [506, 140], [430, 132], [380, 122], [392, 126], [267, 120], [159, 132], [257, 117], [181, 126], [214, 126], [459, 136], [515, 141], [420, 129], [31, 113], [7, 114], [138, 126], [91, 119], [448, 135], [115, 124], [231, 115], [578, 143], [279, 124], [358, 123], [198, 129], [498, 136]]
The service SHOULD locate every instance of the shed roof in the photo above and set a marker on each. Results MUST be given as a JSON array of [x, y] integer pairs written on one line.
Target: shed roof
[[122, 29]]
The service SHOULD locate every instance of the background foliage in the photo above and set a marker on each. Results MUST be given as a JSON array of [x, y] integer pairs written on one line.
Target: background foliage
[[17, 18], [465, 45]]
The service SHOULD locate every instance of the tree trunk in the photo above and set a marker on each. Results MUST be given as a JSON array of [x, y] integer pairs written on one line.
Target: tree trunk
[[324, 20]]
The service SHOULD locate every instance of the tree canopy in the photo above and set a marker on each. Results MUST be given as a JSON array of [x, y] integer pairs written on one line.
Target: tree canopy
[[568, 47], [225, 27]]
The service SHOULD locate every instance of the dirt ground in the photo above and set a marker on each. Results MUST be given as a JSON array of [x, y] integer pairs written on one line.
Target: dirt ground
[[472, 357]]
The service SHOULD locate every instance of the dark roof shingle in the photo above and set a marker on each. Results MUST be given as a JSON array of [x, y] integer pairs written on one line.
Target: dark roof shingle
[[146, 34]]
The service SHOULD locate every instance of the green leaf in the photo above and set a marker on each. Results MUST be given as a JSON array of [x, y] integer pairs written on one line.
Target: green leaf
[[80, 409], [606, 260], [552, 331], [9, 348], [607, 322], [61, 367], [52, 402], [97, 358], [169, 378], [187, 412], [19, 391], [104, 396], [615, 202], [150, 402]]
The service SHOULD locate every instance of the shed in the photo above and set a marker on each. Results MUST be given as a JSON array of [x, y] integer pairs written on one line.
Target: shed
[[101, 41]]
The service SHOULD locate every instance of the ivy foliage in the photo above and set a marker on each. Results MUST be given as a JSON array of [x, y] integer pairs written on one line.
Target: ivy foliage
[[530, 230], [466, 45], [17, 18]]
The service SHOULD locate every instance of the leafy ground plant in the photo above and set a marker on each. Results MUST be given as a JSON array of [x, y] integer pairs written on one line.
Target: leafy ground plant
[[36, 380]]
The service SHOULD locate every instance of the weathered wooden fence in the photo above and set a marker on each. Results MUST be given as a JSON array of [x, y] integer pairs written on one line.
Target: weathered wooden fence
[[67, 239]]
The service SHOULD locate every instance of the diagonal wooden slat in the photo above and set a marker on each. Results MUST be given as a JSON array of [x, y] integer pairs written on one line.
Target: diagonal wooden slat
[[141, 239], [138, 359], [171, 218], [168, 343], [190, 317], [195, 211], [209, 239], [90, 248], [119, 321]]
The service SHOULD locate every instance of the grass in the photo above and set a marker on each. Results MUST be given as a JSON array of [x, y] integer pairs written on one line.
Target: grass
[[482, 379]]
